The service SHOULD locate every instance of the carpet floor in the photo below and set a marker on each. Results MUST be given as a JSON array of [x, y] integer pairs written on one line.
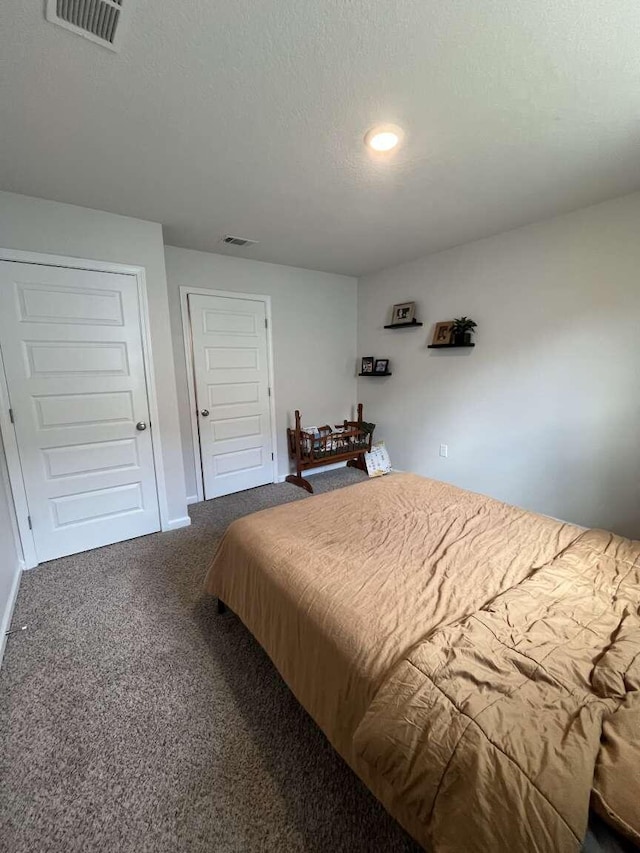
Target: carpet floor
[[134, 718]]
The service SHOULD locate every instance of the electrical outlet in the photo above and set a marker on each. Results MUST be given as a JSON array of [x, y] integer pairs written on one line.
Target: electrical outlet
[[444, 450]]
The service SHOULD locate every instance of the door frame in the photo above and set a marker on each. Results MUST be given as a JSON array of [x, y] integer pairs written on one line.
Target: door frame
[[191, 386], [7, 429]]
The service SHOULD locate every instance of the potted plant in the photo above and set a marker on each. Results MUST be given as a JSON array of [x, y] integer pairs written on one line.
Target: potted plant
[[462, 330]]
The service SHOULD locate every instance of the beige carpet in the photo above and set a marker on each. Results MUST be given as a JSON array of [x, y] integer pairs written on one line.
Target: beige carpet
[[134, 718]]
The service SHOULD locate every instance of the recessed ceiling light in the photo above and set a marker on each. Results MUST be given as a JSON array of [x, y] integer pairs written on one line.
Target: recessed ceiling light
[[383, 138]]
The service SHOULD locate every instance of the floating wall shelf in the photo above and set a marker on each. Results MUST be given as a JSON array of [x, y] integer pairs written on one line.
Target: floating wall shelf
[[450, 346], [412, 324], [375, 374]]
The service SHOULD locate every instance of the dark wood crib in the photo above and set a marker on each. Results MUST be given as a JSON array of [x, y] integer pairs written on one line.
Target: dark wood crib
[[346, 442]]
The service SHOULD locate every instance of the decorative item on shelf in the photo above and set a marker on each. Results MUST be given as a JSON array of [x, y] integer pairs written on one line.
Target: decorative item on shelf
[[403, 316], [442, 334], [404, 312], [453, 333], [463, 328], [372, 366]]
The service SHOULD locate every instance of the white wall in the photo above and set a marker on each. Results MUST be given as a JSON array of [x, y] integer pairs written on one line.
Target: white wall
[[314, 338], [545, 411], [49, 227]]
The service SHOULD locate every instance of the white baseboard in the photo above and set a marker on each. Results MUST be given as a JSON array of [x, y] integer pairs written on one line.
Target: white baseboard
[[8, 611], [193, 499], [177, 523], [313, 471]]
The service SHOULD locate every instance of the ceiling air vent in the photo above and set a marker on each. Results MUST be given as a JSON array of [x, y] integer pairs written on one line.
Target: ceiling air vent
[[238, 241], [102, 21]]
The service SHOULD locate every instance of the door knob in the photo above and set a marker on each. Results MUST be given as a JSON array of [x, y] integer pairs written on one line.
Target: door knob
[[141, 425], [204, 413]]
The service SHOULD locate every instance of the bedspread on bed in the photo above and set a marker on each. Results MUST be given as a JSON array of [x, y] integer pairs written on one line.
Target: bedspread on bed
[[338, 587], [487, 735]]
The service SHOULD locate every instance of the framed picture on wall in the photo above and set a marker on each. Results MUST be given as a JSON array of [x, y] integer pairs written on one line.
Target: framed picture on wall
[[367, 364], [443, 332], [404, 312], [382, 365]]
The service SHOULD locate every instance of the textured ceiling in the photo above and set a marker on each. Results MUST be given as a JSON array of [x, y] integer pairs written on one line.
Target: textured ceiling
[[247, 118]]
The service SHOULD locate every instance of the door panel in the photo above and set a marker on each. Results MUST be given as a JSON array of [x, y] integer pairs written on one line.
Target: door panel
[[42, 304], [87, 458], [230, 358], [81, 410], [58, 358], [74, 365], [229, 339], [100, 503], [238, 461]]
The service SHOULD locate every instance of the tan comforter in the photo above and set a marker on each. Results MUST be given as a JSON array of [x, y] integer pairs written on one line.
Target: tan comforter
[[338, 587], [488, 735], [358, 597]]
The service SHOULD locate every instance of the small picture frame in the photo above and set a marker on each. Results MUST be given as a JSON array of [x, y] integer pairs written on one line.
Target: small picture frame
[[443, 332], [404, 312], [382, 365], [367, 364]]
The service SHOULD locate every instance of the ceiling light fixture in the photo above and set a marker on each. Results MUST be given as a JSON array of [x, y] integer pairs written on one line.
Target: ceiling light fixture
[[384, 138]]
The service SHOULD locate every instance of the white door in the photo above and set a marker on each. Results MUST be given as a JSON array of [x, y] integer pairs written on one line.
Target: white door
[[72, 352], [229, 338]]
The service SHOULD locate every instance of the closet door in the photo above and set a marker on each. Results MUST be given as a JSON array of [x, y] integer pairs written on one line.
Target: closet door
[[229, 338], [72, 353]]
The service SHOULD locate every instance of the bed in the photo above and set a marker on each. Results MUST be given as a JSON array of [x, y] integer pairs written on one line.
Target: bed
[[366, 596]]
